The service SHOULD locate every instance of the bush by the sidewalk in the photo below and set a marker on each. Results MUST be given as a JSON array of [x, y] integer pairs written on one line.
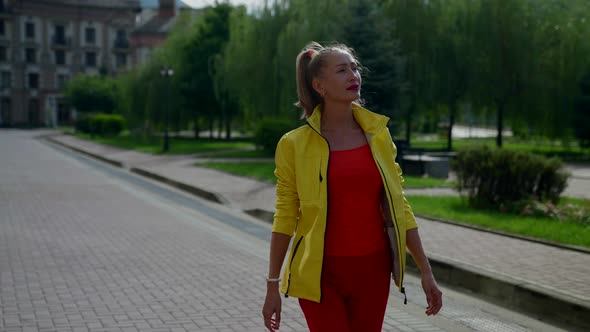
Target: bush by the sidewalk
[[100, 124], [500, 178], [82, 124], [269, 132]]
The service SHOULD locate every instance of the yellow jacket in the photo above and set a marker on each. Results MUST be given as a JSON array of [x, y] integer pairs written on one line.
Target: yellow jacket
[[301, 159]]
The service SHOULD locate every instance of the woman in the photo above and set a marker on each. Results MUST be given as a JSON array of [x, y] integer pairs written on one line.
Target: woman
[[337, 187]]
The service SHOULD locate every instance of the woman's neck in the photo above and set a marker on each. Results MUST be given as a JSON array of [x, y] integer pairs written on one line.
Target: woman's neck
[[337, 116]]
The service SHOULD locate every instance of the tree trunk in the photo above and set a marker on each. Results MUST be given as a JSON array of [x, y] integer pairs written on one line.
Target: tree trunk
[[453, 110], [500, 124], [228, 118], [409, 125], [196, 126], [211, 125]]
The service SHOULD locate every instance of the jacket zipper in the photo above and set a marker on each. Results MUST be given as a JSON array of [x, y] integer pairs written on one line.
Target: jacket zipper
[[392, 207], [291, 264], [327, 201]]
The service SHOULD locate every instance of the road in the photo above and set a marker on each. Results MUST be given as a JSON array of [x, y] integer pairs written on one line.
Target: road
[[88, 247]]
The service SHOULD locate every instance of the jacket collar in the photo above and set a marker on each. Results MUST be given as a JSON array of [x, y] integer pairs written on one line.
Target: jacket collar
[[370, 122]]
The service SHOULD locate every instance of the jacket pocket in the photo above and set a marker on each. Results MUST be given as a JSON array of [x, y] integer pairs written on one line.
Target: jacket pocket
[[309, 179]]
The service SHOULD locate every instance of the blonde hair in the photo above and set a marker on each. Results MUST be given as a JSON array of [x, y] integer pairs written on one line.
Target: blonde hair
[[308, 65]]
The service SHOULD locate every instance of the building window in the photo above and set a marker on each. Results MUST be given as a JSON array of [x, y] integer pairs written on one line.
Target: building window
[[62, 80], [90, 34], [33, 81], [91, 59], [60, 57], [30, 55], [30, 30], [121, 40], [3, 54], [60, 35], [120, 60], [5, 80]]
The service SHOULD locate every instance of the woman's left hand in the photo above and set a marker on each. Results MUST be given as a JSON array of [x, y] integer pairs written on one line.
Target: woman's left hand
[[433, 294]]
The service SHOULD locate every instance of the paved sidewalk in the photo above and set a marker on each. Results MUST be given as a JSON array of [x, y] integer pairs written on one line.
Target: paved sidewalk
[[546, 272]]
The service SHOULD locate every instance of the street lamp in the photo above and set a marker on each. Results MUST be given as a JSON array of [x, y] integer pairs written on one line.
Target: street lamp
[[166, 72]]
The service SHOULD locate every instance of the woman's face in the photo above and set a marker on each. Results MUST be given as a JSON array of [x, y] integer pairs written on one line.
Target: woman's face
[[340, 80]]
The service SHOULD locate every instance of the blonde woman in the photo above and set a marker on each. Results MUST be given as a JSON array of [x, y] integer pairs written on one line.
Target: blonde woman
[[339, 194]]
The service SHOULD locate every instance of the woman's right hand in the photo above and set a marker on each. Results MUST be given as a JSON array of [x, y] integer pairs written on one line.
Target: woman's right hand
[[271, 311]]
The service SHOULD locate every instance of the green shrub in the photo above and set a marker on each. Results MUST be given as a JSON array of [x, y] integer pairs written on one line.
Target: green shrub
[[107, 124], [496, 178], [82, 123], [269, 132]]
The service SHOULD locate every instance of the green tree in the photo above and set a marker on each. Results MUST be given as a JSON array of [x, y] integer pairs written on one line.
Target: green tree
[[582, 113], [91, 94]]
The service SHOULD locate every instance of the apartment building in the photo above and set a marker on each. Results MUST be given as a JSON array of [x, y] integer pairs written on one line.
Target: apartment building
[[44, 43]]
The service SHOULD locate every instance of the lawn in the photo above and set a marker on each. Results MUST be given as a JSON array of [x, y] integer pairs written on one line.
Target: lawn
[[265, 171], [543, 147], [456, 209], [178, 145]]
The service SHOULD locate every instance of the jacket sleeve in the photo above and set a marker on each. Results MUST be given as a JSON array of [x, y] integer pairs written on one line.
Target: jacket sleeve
[[287, 203], [408, 213]]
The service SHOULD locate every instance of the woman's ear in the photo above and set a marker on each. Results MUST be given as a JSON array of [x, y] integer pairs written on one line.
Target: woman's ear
[[317, 86]]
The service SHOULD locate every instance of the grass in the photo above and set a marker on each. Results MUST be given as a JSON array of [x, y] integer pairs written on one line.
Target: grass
[[456, 209], [178, 145], [543, 147], [265, 171]]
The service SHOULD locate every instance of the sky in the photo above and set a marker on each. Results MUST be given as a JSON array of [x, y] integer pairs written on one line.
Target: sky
[[202, 3]]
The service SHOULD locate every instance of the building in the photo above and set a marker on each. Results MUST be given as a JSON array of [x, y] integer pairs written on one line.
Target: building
[[154, 23], [44, 43]]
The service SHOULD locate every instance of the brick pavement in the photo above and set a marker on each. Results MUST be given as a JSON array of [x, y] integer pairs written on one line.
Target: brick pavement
[[525, 262], [81, 252]]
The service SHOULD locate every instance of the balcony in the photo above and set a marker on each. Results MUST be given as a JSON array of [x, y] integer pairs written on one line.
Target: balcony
[[121, 44], [61, 41]]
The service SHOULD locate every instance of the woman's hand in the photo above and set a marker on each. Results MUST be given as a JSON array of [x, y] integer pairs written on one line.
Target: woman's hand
[[433, 294], [271, 311]]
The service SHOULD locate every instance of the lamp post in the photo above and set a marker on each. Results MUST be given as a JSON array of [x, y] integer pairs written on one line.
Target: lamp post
[[166, 72]]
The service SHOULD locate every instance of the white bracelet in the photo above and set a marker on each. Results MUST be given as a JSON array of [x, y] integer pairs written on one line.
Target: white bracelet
[[273, 279]]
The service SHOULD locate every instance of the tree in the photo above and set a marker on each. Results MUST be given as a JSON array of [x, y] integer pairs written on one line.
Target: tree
[[505, 43], [371, 34], [582, 113], [91, 94]]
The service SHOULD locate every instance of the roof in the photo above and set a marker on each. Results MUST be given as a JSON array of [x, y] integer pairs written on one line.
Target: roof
[[156, 24]]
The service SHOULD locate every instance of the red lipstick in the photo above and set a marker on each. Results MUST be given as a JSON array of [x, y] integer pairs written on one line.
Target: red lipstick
[[354, 87]]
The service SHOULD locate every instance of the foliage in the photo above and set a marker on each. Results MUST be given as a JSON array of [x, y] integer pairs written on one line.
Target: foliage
[[493, 178], [582, 113], [429, 64], [82, 123], [91, 94], [107, 124], [571, 212], [269, 132], [100, 124]]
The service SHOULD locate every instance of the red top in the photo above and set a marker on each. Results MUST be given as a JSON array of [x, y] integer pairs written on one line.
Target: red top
[[355, 222]]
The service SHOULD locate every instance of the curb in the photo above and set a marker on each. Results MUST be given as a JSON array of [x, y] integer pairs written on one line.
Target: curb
[[522, 297], [95, 156], [210, 196], [512, 235]]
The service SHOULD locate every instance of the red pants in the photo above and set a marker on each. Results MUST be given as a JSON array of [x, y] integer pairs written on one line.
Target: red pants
[[355, 290]]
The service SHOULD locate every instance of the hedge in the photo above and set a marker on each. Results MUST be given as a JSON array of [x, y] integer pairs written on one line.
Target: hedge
[[497, 177]]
